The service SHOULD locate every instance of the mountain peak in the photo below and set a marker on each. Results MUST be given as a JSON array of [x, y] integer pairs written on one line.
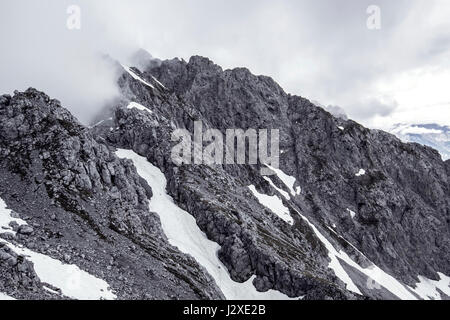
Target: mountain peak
[[341, 217]]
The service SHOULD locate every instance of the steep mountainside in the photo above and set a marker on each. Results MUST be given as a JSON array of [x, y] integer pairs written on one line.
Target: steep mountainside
[[83, 206], [352, 213]]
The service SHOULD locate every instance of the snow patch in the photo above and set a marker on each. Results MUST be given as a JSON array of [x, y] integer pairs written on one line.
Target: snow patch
[[4, 297], [274, 203], [373, 272], [282, 192], [136, 77], [73, 282], [100, 122], [361, 172], [135, 105], [182, 231], [341, 128], [6, 218], [333, 254], [51, 290], [427, 288], [288, 181], [351, 245], [97, 124], [352, 213], [156, 80]]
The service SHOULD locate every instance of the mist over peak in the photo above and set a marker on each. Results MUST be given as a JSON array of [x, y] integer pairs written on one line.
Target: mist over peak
[[373, 75]]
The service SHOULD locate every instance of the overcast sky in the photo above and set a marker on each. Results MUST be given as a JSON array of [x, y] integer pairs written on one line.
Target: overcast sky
[[320, 49]]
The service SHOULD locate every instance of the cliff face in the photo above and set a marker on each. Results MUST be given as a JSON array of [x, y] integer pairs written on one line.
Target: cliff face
[[401, 202], [85, 206], [362, 214], [396, 214]]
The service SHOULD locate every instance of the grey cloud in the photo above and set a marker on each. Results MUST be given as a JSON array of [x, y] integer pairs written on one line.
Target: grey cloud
[[319, 49], [368, 108], [337, 111]]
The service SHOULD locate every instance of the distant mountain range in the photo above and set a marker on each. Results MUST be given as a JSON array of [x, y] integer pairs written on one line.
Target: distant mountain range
[[433, 135]]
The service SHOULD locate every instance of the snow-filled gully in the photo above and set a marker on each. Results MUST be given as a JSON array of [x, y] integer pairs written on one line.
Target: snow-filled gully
[[425, 288], [182, 231]]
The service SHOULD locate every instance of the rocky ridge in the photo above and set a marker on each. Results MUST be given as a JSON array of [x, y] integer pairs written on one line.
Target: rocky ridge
[[365, 198]]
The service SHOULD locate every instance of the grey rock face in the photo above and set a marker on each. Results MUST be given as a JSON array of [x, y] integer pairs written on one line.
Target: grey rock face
[[26, 230], [253, 241], [401, 203], [87, 206], [17, 275]]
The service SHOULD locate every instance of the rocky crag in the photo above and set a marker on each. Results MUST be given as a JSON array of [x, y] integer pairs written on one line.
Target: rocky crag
[[369, 215]]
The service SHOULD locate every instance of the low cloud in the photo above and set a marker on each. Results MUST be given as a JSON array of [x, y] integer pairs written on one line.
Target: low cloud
[[38, 50], [368, 108], [321, 50]]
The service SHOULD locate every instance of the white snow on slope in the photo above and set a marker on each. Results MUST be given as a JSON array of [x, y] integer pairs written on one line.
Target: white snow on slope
[[352, 213], [73, 282], [274, 203], [182, 231], [355, 248], [157, 81], [282, 192], [51, 290], [373, 272], [289, 181], [6, 218], [361, 172], [4, 297], [97, 124], [136, 77], [138, 106], [427, 288], [100, 122], [333, 254]]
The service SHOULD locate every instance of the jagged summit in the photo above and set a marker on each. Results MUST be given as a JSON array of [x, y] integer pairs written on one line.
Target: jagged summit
[[324, 154]]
